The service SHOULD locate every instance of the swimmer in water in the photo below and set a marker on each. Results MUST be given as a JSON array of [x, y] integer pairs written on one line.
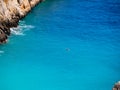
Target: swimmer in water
[[67, 49]]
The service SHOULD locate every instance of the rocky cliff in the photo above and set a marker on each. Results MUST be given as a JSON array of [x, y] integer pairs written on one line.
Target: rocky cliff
[[11, 11]]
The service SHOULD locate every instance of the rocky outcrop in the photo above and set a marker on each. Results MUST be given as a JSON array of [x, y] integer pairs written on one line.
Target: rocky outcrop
[[11, 11], [116, 86]]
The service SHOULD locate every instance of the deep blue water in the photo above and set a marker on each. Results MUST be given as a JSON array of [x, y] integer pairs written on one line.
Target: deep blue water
[[64, 45]]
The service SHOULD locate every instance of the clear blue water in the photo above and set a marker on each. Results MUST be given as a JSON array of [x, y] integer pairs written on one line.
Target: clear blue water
[[64, 45]]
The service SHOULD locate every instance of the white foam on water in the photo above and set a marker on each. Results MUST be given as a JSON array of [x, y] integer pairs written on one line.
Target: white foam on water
[[16, 31], [21, 28]]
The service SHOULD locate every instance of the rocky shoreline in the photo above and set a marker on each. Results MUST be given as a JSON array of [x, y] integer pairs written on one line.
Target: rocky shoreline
[[11, 11]]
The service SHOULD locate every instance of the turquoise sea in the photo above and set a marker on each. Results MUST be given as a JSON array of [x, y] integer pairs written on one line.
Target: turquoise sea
[[64, 45]]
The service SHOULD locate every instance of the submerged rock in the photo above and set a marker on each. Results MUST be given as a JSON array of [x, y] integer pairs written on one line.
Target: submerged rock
[[11, 11]]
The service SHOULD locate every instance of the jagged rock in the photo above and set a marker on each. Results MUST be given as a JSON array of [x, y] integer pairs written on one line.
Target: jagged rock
[[116, 86], [3, 37], [11, 11], [5, 29]]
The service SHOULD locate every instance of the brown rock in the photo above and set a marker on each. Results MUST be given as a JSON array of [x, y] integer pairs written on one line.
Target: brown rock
[[3, 37], [10, 13], [116, 86]]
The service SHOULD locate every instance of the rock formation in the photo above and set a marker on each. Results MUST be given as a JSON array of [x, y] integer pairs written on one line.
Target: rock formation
[[116, 86], [11, 11]]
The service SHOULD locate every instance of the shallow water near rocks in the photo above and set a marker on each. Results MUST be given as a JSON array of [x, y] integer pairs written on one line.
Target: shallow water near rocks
[[64, 45]]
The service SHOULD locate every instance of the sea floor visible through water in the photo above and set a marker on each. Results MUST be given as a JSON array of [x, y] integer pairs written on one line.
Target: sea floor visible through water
[[64, 45]]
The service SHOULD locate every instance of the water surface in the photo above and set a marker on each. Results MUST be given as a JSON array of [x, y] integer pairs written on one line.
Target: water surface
[[64, 45]]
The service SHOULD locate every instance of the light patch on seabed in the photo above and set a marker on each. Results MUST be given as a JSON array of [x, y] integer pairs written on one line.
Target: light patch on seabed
[[22, 27], [1, 52]]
